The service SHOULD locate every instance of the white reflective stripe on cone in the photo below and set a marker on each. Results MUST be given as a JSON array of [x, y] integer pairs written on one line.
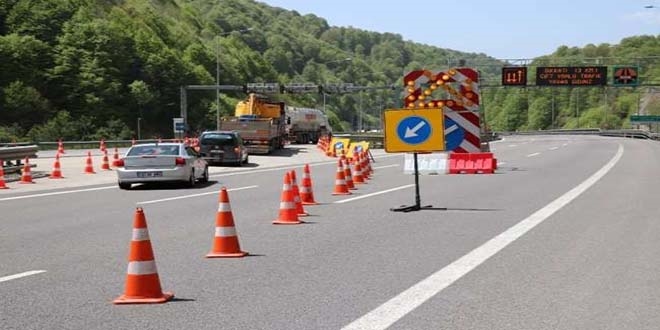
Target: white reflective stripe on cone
[[340, 182], [287, 205], [142, 267], [304, 189], [224, 207], [140, 234], [286, 187], [225, 231]]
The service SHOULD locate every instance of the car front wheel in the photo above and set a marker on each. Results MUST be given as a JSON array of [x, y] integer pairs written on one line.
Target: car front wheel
[[124, 186]]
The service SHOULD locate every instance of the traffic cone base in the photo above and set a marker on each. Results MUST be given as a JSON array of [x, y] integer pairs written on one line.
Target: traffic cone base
[[123, 299], [283, 222]]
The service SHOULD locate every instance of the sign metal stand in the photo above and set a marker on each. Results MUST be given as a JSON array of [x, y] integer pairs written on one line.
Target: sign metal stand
[[418, 204]]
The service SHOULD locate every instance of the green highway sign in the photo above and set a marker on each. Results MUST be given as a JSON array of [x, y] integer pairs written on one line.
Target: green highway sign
[[637, 119]]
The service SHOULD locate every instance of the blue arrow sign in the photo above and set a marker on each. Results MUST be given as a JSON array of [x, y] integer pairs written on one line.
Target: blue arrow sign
[[413, 130], [454, 134]]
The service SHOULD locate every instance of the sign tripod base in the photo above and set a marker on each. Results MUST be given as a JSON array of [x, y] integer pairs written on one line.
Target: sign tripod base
[[418, 206]]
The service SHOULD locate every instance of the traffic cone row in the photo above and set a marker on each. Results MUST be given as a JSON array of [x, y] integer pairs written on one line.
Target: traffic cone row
[[56, 173], [142, 279]]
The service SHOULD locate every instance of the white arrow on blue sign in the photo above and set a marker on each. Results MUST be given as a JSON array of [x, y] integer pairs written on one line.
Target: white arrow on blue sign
[[414, 130]]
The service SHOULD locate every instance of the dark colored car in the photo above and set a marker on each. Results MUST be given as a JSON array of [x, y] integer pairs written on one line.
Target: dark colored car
[[223, 147]]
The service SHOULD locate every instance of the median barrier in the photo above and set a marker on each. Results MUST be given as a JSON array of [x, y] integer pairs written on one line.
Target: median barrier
[[472, 163]]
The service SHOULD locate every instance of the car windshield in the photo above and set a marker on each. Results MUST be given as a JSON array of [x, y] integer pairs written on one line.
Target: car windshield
[[218, 139], [154, 150]]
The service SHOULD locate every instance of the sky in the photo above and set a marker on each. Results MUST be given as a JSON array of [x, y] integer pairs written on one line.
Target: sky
[[503, 29]]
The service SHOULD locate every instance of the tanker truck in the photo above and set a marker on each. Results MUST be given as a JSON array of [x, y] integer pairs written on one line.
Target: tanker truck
[[305, 125], [260, 122]]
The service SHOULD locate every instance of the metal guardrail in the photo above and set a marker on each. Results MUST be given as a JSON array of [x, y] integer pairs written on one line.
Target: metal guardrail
[[12, 156], [626, 133]]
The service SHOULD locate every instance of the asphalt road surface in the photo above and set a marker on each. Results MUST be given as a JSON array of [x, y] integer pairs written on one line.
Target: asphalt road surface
[[563, 236]]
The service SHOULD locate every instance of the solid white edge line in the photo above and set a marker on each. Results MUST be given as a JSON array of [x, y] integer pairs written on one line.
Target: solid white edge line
[[190, 196], [55, 193], [534, 154], [396, 308], [373, 194], [24, 274]]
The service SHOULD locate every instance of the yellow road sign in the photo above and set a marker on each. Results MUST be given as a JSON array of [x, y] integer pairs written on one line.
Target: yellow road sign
[[414, 130]]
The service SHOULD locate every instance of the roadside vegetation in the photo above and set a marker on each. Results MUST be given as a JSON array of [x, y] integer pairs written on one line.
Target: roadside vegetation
[[86, 70]]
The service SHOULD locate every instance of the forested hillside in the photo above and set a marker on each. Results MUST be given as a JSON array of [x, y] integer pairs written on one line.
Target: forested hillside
[[84, 69]]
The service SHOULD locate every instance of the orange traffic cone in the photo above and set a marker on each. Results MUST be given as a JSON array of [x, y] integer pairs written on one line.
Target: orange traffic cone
[[2, 177], [60, 147], [57, 171], [26, 176], [102, 145], [357, 173], [363, 163], [348, 175], [306, 193], [288, 212], [115, 158], [296, 195], [89, 169], [340, 181], [106, 164], [368, 161], [225, 242], [142, 282]]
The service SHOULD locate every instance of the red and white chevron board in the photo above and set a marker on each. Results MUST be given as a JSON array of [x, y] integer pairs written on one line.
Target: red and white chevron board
[[469, 122], [467, 94]]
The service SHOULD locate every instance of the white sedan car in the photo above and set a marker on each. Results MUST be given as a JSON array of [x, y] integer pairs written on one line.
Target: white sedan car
[[161, 162]]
